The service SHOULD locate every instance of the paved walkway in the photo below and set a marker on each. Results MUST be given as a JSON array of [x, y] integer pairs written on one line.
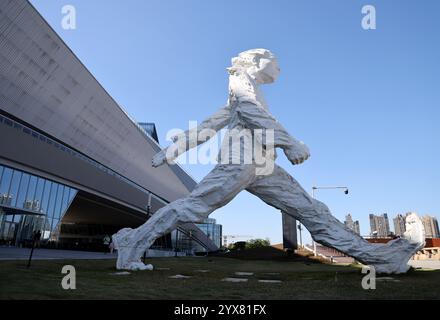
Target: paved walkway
[[12, 253]]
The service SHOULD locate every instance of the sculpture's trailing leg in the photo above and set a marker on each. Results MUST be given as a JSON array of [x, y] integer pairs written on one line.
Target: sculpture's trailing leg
[[282, 191]]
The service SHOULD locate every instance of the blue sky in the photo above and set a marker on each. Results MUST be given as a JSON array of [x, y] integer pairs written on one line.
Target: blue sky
[[365, 102]]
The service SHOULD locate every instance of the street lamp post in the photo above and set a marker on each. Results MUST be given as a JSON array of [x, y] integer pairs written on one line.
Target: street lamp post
[[148, 217], [177, 239], [149, 206], [313, 196], [328, 187]]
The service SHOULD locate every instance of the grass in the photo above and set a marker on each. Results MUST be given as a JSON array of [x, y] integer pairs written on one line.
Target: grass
[[301, 280]]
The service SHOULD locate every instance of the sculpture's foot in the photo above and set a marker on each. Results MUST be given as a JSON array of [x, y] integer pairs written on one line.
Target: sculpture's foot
[[401, 250], [129, 256], [415, 232], [400, 265], [138, 266]]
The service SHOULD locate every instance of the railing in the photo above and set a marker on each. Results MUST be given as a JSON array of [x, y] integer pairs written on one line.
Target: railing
[[333, 254], [317, 253]]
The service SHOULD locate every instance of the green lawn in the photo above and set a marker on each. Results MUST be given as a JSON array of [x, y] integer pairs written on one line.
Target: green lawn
[[301, 280]]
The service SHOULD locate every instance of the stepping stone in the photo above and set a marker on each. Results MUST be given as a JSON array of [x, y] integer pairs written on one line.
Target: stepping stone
[[270, 281], [244, 273], [272, 274], [384, 278], [202, 271], [235, 279], [123, 273], [179, 276], [387, 279]]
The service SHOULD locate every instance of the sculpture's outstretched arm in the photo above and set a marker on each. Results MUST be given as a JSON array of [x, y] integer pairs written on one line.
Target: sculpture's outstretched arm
[[190, 138], [259, 118], [215, 122]]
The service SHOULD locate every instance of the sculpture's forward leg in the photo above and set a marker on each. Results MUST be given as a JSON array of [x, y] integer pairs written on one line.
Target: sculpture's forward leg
[[280, 190], [219, 187]]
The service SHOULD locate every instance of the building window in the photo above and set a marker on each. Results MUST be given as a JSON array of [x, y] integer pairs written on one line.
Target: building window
[[4, 185], [29, 203], [21, 196], [13, 190]]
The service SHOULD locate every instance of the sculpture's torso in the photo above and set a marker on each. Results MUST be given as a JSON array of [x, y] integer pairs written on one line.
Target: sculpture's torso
[[242, 89]]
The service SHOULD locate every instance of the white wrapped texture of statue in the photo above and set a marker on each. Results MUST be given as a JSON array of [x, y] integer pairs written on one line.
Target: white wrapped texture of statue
[[246, 109]]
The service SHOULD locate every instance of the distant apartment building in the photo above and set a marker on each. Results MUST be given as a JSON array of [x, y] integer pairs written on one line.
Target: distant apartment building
[[379, 225], [353, 225], [431, 227], [399, 225]]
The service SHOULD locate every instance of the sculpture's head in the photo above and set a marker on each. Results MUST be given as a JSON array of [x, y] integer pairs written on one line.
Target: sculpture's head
[[260, 64]]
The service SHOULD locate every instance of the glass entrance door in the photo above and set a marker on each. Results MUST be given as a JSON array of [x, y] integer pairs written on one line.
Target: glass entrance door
[[8, 229]]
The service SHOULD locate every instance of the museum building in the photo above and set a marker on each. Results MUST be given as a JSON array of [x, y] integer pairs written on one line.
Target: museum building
[[73, 164]]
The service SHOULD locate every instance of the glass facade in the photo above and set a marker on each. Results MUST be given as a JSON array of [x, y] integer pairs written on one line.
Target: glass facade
[[29, 203], [184, 242], [212, 230], [150, 129]]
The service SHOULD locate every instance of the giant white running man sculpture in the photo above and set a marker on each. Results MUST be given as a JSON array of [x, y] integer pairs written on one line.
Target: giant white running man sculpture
[[246, 109]]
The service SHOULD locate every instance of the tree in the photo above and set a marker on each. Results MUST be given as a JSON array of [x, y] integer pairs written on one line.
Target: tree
[[257, 243]]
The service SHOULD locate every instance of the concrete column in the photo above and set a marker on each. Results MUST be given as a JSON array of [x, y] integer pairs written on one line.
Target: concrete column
[[289, 232]]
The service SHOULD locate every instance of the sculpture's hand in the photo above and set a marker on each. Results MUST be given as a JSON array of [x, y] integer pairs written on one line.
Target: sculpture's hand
[[297, 153], [159, 159]]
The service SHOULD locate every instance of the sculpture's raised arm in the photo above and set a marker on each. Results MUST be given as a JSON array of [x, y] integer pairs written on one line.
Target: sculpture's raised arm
[[259, 118], [190, 139]]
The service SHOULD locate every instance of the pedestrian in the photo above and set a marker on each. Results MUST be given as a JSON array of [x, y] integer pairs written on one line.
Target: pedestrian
[[106, 241]]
